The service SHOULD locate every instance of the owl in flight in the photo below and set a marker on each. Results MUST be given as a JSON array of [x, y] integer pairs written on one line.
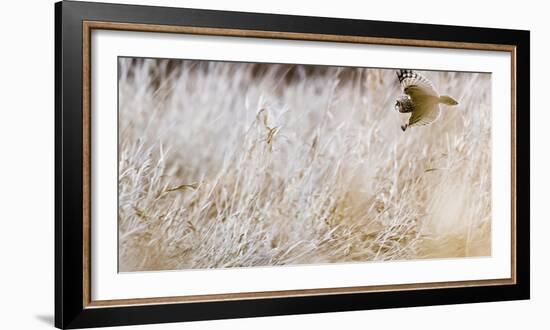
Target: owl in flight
[[420, 99]]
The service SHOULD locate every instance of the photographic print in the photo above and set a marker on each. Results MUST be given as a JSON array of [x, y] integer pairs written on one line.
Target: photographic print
[[214, 164], [228, 164]]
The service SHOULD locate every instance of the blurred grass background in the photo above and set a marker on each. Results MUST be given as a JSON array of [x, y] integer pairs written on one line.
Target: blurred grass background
[[241, 164]]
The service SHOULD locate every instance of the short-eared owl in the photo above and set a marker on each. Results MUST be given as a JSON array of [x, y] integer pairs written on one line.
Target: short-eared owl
[[420, 99]]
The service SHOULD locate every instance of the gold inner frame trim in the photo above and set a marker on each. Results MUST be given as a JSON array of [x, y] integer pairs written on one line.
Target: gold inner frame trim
[[88, 26]]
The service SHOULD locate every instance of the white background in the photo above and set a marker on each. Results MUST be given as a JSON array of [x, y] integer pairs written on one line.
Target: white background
[[27, 168]]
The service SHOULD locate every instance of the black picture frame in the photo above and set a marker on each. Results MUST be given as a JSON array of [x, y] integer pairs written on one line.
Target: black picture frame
[[70, 264]]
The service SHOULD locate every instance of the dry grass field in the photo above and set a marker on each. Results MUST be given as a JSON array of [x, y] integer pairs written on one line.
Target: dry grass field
[[241, 165]]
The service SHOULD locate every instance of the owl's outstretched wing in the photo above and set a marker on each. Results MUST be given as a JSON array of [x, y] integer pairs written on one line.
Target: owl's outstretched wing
[[415, 85], [424, 114]]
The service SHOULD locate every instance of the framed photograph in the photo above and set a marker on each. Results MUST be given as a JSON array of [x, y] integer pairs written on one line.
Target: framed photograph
[[214, 164]]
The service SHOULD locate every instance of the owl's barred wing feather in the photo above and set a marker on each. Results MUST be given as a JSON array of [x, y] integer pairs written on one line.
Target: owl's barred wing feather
[[415, 84]]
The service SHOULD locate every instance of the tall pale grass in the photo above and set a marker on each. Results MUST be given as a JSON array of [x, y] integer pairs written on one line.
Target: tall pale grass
[[240, 165]]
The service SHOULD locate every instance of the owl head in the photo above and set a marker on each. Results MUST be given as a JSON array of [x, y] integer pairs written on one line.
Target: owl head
[[402, 103]]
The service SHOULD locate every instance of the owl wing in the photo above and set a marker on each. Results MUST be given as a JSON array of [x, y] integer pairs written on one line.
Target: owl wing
[[414, 84], [424, 114]]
